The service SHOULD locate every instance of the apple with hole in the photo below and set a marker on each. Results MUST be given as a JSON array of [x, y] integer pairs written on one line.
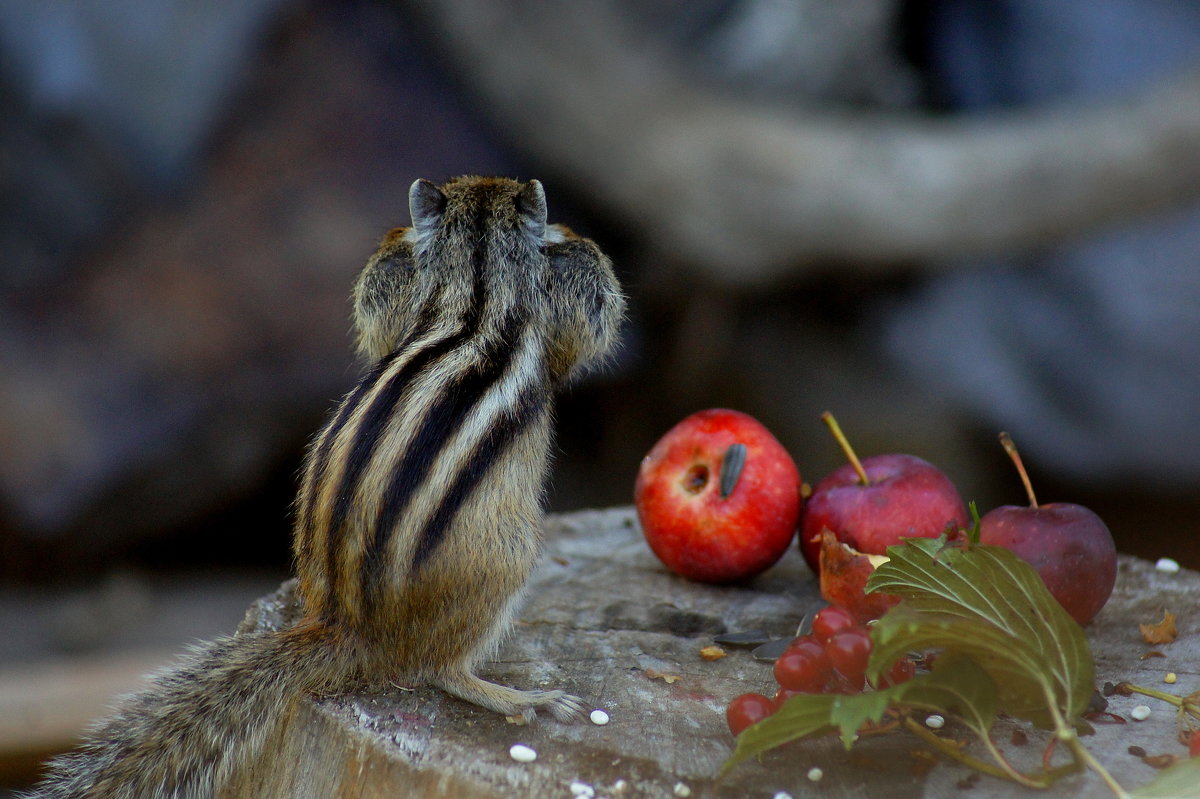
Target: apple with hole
[[1067, 544], [718, 497], [874, 503]]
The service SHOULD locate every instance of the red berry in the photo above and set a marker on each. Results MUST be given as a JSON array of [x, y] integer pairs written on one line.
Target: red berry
[[848, 651], [801, 669], [747, 709], [831, 619], [838, 683], [783, 695], [809, 644], [902, 670]]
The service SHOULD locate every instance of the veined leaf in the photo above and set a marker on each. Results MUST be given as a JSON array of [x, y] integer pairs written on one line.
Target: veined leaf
[[799, 717], [956, 686], [985, 603], [850, 711]]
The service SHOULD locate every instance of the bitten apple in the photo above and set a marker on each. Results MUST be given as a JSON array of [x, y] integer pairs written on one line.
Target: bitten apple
[[1067, 544], [718, 497], [843, 578], [874, 503]]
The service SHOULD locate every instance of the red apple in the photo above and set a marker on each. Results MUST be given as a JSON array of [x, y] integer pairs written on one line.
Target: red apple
[[871, 505], [1067, 544], [718, 497]]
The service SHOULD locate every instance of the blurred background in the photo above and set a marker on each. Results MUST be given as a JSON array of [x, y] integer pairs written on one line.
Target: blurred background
[[936, 218]]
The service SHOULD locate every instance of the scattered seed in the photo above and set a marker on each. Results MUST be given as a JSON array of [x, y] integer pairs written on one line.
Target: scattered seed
[[934, 721], [599, 717], [712, 653], [582, 789], [782, 795], [1170, 678], [1137, 751], [1167, 565], [1160, 761], [731, 468], [619, 786], [815, 774], [682, 790], [655, 674], [1140, 713], [771, 650], [1104, 717], [522, 753], [744, 638]]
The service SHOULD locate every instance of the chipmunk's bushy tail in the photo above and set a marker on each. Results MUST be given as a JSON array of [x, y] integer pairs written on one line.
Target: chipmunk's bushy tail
[[184, 735]]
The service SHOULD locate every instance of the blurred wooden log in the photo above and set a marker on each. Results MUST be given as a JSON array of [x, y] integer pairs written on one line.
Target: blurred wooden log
[[606, 621], [748, 194]]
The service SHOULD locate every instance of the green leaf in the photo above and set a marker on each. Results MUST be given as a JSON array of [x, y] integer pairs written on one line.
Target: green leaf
[[988, 604], [1174, 782], [799, 717], [850, 711], [957, 686], [930, 546], [975, 529]]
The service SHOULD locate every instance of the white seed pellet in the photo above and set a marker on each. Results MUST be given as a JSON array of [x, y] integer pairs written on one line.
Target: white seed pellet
[[1170, 678], [1140, 713], [1167, 565], [815, 774], [934, 722], [599, 717], [522, 753], [782, 795], [682, 790], [619, 786], [582, 789]]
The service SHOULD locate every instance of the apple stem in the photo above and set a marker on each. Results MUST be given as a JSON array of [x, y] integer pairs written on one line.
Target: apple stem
[[836, 429], [1011, 448], [731, 468]]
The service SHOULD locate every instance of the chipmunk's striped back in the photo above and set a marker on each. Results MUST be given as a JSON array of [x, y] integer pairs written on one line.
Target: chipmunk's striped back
[[412, 442], [428, 478]]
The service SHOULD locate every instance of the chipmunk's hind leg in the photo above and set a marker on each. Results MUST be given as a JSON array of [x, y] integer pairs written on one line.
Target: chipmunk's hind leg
[[509, 701]]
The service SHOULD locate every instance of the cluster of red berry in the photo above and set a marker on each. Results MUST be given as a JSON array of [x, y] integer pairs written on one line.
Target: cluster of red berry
[[832, 659]]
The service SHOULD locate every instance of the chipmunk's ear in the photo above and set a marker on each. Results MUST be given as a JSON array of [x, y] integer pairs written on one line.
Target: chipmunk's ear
[[531, 204], [426, 203]]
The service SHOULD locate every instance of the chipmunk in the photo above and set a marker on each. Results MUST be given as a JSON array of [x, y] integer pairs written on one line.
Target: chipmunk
[[419, 510]]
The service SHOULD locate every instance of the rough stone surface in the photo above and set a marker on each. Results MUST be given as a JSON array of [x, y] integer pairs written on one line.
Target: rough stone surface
[[604, 620]]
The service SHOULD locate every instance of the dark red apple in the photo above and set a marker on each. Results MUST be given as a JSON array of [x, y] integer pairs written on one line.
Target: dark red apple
[[1067, 544], [718, 497], [873, 504]]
